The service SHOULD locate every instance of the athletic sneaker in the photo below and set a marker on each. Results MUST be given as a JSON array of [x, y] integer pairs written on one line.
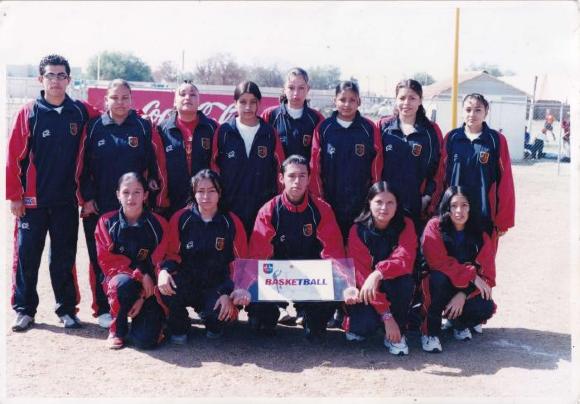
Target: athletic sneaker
[[115, 342], [70, 321], [22, 322], [431, 344], [285, 318], [105, 320], [299, 320], [478, 328], [180, 339], [397, 348], [462, 335], [446, 324], [351, 336]]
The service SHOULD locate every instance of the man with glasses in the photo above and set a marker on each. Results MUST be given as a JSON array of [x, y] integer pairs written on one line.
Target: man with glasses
[[41, 172]]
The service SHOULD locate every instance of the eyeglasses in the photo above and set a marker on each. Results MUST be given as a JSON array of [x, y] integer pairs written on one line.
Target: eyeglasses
[[57, 76]]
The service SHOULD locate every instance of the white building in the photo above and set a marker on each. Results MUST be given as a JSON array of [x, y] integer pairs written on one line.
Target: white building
[[507, 106]]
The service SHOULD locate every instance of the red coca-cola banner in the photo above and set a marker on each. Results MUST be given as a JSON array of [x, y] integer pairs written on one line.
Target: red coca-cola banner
[[156, 104]]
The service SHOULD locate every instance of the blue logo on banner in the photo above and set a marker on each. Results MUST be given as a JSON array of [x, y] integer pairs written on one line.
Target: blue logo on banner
[[268, 268]]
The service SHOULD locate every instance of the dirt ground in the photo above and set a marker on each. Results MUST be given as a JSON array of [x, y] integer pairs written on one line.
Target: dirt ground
[[523, 353]]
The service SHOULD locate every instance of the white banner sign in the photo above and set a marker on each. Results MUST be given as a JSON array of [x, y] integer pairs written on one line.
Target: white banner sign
[[298, 280]]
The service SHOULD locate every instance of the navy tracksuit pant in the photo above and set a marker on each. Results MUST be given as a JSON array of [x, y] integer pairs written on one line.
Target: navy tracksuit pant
[[61, 223], [100, 304], [364, 319], [145, 329], [475, 310], [188, 294], [316, 314]]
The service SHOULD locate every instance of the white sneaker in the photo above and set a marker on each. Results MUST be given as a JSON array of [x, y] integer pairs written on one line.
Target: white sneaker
[[397, 348], [478, 328], [70, 321], [446, 324], [351, 336], [105, 320], [462, 335], [178, 339], [299, 320], [22, 322], [285, 317], [431, 344]]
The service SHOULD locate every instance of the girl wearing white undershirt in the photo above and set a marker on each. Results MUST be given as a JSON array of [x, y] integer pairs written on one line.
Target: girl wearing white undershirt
[[293, 119], [247, 154], [412, 150]]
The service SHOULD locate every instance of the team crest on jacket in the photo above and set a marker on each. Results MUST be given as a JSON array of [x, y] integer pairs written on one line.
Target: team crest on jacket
[[306, 140], [74, 128], [219, 243], [205, 143], [262, 151], [133, 141], [307, 230], [142, 254], [416, 150], [359, 149], [483, 157]]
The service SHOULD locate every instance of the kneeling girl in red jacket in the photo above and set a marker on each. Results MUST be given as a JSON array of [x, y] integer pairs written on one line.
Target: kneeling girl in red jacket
[[460, 256], [383, 244]]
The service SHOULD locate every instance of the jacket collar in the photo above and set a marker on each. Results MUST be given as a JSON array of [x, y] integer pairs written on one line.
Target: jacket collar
[[107, 120], [123, 224], [291, 206]]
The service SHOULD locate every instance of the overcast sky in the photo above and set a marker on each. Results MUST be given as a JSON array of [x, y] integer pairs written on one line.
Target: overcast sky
[[376, 42]]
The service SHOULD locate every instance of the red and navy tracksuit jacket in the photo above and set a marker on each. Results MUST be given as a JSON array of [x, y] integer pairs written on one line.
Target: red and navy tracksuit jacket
[[345, 163], [459, 258], [131, 250], [391, 254], [111, 150], [286, 231], [295, 134], [43, 153], [410, 163], [176, 189], [204, 252], [248, 181], [484, 167]]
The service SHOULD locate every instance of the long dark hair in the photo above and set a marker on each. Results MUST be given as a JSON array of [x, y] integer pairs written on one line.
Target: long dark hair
[[472, 226], [416, 87], [397, 223], [206, 174]]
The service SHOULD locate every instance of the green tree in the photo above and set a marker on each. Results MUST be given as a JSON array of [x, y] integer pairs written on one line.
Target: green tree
[[166, 72], [219, 69], [266, 76], [424, 78], [491, 69], [324, 77], [119, 65]]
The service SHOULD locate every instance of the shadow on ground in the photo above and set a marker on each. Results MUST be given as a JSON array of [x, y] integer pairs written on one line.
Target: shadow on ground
[[288, 351]]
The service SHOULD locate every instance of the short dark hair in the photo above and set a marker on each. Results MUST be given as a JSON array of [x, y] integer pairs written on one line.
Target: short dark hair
[[397, 223], [53, 60], [347, 85], [478, 97], [247, 87], [119, 83], [295, 159]]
